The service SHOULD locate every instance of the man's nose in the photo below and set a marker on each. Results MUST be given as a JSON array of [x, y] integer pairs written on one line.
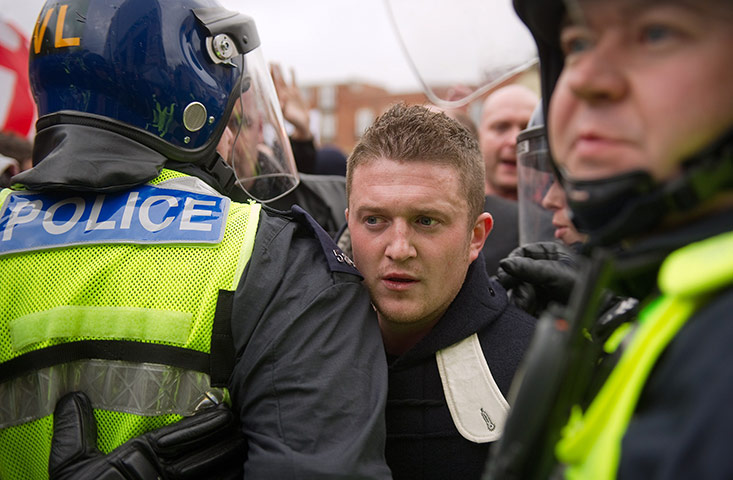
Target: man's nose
[[597, 75], [554, 199], [510, 137], [400, 246]]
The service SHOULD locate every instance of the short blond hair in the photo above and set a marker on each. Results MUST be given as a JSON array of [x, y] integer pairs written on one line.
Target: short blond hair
[[414, 133]]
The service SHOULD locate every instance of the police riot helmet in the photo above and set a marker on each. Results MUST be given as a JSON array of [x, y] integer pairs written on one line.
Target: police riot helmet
[[628, 204], [534, 179], [169, 74]]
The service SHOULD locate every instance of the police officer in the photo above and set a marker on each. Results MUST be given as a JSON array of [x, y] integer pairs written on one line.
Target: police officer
[[544, 269], [640, 120], [540, 270], [136, 293]]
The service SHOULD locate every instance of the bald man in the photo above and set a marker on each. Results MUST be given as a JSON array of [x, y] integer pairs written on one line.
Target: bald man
[[504, 114]]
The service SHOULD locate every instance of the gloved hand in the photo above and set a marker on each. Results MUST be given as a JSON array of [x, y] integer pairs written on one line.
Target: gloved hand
[[537, 274], [205, 445]]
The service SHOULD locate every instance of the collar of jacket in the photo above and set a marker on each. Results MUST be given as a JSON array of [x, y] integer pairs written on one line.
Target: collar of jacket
[[70, 157], [637, 267], [474, 308]]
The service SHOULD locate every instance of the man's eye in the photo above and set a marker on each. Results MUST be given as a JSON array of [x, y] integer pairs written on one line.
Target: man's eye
[[371, 220], [426, 221], [575, 40], [234, 122], [237, 120], [656, 33], [577, 45], [501, 127]]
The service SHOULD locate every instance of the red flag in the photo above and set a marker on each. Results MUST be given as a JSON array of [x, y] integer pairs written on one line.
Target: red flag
[[17, 109]]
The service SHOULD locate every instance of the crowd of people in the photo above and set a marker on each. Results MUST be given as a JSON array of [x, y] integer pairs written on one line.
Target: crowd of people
[[192, 287]]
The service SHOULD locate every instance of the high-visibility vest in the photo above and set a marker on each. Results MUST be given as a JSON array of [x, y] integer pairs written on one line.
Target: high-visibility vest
[[114, 295], [591, 441]]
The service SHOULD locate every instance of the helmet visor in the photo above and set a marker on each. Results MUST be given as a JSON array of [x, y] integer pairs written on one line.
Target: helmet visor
[[254, 142], [535, 177], [461, 49]]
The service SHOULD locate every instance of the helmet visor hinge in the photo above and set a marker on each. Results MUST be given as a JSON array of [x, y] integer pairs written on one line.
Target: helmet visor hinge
[[221, 49]]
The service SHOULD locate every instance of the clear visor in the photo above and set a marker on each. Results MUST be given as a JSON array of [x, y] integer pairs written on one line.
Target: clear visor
[[254, 142], [461, 49], [535, 177]]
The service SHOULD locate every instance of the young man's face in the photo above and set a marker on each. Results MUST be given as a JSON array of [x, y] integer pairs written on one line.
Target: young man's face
[[645, 85], [412, 238]]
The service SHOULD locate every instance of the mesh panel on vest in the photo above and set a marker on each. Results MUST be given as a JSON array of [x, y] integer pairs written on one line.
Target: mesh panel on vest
[[26, 464], [183, 278], [166, 277]]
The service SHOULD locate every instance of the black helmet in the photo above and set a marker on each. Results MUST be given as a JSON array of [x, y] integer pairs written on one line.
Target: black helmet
[[628, 204]]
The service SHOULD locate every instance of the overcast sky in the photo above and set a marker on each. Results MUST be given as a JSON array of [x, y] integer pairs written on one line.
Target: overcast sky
[[341, 40]]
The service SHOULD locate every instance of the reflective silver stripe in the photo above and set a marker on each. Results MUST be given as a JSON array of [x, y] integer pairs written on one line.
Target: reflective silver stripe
[[189, 184], [138, 388]]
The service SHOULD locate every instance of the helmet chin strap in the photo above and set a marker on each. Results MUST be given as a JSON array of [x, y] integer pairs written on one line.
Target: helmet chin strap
[[214, 171], [627, 205], [224, 177]]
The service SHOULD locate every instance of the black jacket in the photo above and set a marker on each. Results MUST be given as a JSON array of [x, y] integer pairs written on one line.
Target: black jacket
[[422, 440], [309, 381]]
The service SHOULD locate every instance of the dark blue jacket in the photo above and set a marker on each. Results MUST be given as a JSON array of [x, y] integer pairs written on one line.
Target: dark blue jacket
[[422, 440]]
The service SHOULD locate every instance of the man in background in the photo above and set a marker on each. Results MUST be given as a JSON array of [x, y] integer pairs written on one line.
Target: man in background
[[505, 113]]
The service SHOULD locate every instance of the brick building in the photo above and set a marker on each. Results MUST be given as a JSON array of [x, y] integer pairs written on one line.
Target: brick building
[[341, 112]]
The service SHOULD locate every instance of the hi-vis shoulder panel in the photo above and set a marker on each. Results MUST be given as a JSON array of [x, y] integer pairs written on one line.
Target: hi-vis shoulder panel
[[143, 215]]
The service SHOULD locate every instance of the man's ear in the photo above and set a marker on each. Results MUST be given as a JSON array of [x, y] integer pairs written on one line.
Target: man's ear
[[481, 229], [224, 148], [346, 214]]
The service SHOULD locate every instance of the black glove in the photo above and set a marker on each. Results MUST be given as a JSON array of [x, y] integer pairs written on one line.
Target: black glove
[[205, 445], [537, 274]]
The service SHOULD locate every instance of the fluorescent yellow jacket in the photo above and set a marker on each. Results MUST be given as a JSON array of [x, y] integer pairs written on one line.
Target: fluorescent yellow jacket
[[114, 295], [591, 441]]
